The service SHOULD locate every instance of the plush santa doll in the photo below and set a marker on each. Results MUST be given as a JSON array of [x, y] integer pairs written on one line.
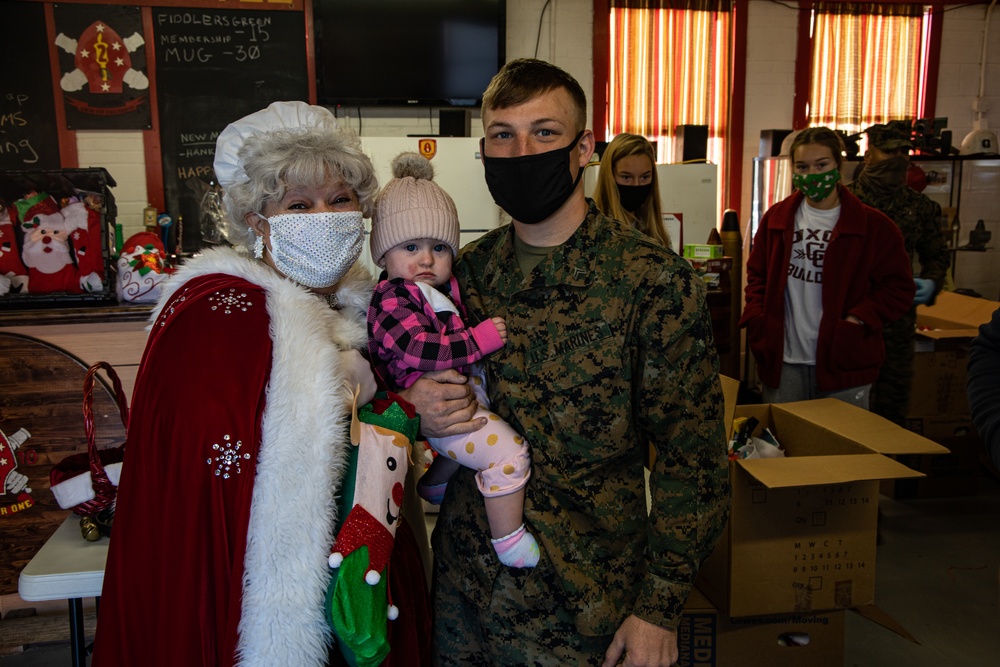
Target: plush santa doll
[[46, 250]]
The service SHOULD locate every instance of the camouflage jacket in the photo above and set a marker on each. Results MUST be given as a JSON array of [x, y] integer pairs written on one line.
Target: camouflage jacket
[[610, 349], [919, 219]]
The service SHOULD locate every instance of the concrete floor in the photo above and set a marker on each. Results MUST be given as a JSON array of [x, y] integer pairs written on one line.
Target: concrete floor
[[937, 575]]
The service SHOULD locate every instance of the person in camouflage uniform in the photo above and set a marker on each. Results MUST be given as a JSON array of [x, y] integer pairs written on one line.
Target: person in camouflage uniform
[[609, 351], [882, 185]]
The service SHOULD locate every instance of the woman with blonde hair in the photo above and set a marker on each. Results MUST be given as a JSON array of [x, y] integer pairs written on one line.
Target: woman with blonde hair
[[627, 187], [238, 441]]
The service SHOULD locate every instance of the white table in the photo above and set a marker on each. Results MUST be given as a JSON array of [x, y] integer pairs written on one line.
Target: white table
[[67, 567]]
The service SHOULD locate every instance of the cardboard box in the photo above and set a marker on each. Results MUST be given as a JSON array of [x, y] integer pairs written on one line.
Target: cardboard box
[[702, 251], [947, 475], [942, 353], [706, 638], [801, 533], [942, 427]]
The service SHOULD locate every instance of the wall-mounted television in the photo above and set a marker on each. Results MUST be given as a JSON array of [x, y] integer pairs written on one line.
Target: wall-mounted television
[[407, 52]]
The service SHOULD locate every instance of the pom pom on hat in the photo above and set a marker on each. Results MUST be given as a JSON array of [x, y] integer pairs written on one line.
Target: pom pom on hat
[[414, 165], [412, 206], [278, 116]]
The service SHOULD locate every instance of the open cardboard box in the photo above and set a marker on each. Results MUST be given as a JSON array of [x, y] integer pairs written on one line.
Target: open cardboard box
[[955, 315], [802, 529], [942, 353]]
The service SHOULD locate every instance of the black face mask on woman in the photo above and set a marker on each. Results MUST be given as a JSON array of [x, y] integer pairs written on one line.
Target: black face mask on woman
[[530, 188], [633, 196]]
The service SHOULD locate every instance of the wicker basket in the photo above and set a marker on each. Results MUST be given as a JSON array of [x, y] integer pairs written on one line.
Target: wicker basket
[[81, 482]]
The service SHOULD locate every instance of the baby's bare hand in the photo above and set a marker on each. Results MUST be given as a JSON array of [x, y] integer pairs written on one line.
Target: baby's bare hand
[[501, 326]]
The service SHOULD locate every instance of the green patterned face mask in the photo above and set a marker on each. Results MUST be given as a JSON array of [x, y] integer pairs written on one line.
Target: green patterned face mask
[[816, 186]]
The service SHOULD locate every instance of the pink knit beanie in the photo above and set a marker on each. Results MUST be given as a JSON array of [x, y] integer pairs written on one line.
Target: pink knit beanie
[[412, 206]]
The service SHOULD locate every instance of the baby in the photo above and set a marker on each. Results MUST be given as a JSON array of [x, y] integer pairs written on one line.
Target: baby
[[415, 325]]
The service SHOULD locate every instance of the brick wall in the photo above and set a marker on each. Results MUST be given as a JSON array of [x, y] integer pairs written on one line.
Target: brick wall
[[121, 153]]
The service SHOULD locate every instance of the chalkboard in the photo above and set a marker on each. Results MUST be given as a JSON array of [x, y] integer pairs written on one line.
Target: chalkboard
[[28, 135], [213, 67]]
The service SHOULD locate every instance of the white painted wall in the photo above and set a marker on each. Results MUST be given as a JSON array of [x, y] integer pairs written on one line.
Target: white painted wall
[[567, 41], [121, 154], [770, 89], [958, 86]]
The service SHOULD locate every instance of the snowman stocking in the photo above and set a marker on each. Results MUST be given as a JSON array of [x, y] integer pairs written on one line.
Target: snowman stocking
[[358, 604]]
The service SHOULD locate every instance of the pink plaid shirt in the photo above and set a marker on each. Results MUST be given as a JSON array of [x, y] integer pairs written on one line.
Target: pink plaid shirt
[[407, 337]]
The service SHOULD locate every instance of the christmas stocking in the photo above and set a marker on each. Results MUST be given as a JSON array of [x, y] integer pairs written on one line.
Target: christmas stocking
[[13, 274], [358, 604], [84, 225]]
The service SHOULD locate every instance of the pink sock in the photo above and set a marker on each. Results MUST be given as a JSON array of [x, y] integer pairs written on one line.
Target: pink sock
[[519, 549]]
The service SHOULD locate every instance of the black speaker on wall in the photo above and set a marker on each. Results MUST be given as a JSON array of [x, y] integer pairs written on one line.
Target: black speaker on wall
[[770, 142], [455, 123], [690, 143]]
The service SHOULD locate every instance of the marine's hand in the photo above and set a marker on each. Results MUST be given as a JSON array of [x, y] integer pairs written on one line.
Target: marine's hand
[[359, 372], [501, 326], [925, 291], [639, 643], [445, 403]]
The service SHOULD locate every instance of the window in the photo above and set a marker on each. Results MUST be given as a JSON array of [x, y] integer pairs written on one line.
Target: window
[[868, 64], [669, 65]]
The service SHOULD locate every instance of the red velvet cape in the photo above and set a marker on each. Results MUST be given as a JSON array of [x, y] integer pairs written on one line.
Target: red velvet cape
[[172, 585]]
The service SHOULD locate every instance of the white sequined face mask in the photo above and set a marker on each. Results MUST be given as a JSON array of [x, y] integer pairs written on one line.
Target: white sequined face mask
[[316, 249]]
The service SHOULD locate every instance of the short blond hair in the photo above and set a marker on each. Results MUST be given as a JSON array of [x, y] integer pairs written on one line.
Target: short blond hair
[[524, 79]]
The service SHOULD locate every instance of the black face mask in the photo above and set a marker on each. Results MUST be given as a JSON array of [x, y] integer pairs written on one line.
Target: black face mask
[[530, 188], [633, 196]]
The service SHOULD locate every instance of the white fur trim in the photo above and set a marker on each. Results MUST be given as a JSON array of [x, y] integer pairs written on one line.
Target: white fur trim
[[71, 492], [114, 472], [80, 489], [301, 462]]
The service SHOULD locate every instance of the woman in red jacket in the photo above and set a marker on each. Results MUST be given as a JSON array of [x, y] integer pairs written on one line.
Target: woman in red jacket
[[825, 274]]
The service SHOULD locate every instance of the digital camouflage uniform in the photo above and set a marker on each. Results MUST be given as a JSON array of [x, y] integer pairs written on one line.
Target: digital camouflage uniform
[[919, 219], [610, 348]]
